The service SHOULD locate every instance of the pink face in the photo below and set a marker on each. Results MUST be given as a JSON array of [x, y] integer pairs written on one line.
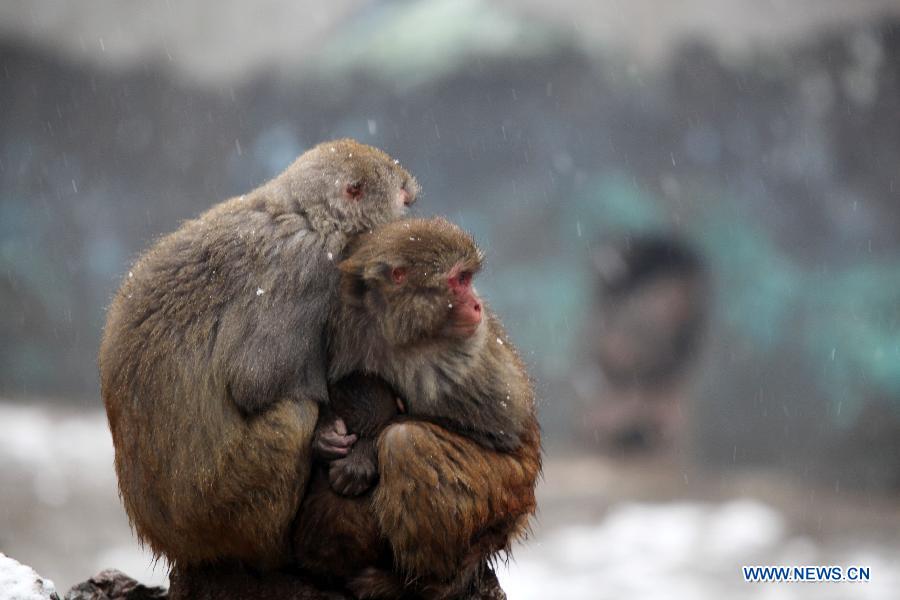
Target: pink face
[[403, 199], [465, 306]]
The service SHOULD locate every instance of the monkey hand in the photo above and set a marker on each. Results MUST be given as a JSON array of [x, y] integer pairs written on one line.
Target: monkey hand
[[331, 440], [353, 475]]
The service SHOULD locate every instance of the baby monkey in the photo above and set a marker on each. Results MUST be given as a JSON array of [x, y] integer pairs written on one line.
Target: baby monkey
[[414, 349]]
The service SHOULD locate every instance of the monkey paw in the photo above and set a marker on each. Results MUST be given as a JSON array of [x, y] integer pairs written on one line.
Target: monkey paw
[[332, 441], [353, 475]]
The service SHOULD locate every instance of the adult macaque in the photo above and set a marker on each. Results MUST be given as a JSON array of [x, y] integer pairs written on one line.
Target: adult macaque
[[457, 471], [408, 313], [213, 360], [644, 332]]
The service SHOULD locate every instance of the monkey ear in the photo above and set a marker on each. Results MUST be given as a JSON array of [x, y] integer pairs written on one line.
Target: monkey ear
[[365, 271], [379, 271], [360, 278], [353, 285], [353, 190], [398, 274]]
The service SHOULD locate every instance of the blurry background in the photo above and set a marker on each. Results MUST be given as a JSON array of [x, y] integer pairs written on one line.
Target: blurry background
[[690, 211]]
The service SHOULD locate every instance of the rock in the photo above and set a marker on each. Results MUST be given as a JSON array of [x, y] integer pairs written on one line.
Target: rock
[[224, 582], [114, 585], [20, 582]]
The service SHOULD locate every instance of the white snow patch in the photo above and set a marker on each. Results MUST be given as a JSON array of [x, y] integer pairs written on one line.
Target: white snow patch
[[678, 550], [19, 582]]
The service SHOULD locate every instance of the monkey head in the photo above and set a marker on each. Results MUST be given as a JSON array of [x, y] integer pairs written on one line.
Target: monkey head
[[413, 280], [349, 186]]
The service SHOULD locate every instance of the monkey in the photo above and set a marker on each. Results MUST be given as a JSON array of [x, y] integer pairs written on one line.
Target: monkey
[[409, 313], [428, 380], [213, 357], [443, 507], [652, 292], [336, 536], [645, 330]]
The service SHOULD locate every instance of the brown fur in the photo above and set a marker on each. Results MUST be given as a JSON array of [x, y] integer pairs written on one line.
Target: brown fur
[[228, 581], [336, 536], [213, 361], [446, 502], [477, 384], [443, 505]]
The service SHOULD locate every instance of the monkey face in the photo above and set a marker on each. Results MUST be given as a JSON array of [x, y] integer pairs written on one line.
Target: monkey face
[[362, 187], [413, 279]]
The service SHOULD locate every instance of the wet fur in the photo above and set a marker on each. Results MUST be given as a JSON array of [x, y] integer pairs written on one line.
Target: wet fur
[[474, 386], [443, 507], [453, 490], [213, 360]]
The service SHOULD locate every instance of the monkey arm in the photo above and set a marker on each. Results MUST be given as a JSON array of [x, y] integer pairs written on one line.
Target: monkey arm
[[266, 338], [272, 346], [445, 503], [360, 407]]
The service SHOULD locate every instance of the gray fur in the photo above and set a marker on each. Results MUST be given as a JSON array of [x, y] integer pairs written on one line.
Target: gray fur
[[255, 276], [213, 357]]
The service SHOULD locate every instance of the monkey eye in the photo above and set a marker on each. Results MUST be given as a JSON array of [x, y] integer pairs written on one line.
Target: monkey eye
[[398, 274], [465, 278], [354, 190]]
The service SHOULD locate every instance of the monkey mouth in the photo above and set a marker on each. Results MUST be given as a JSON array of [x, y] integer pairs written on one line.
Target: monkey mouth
[[464, 330], [402, 202]]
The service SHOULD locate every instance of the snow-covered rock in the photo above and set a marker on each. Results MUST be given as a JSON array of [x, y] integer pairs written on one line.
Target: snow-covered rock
[[20, 582]]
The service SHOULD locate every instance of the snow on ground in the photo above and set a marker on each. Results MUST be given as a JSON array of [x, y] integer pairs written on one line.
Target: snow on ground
[[60, 514], [59, 508], [684, 550], [19, 582]]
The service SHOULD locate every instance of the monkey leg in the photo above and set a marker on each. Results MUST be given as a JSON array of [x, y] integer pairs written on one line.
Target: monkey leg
[[224, 487], [445, 503], [335, 537]]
